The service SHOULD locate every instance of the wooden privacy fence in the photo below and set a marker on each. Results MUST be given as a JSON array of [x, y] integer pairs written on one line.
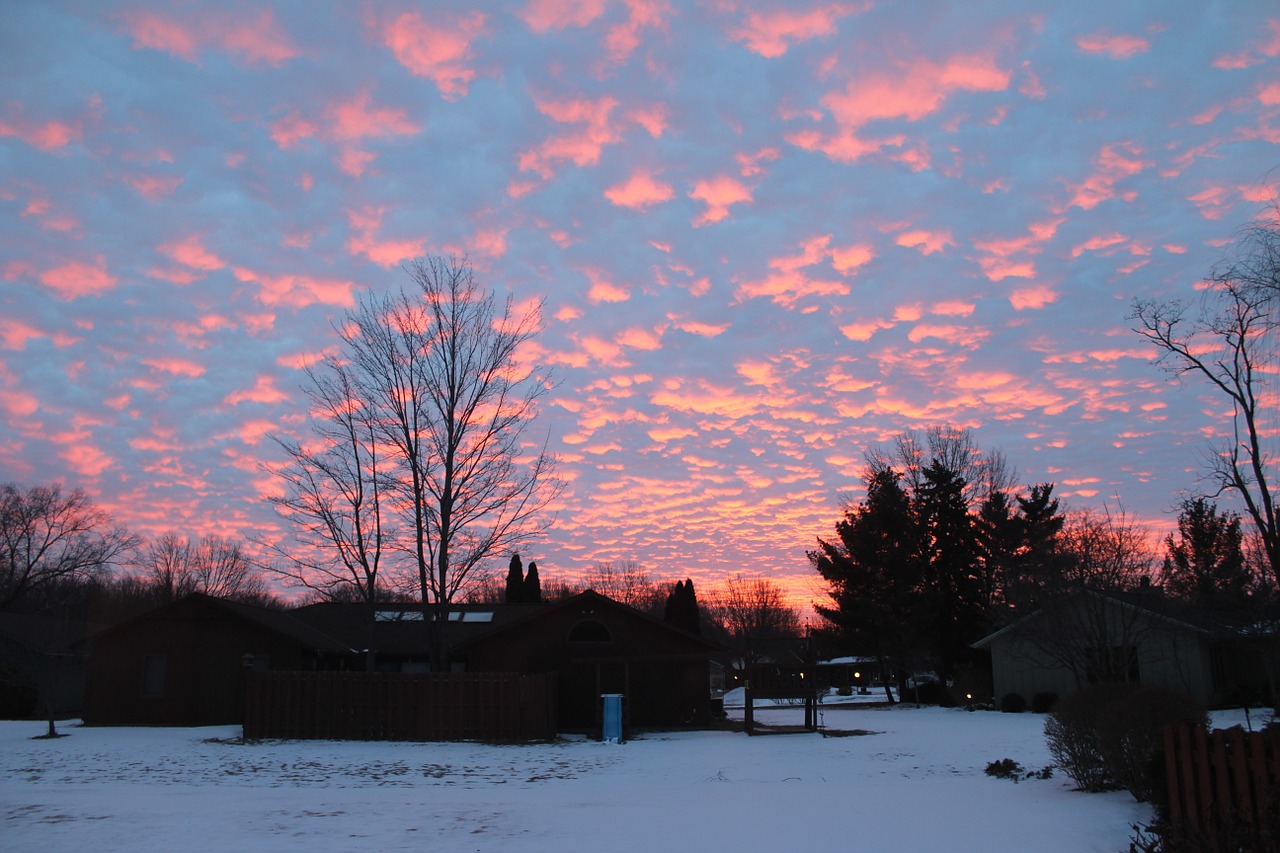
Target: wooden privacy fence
[[1222, 778], [397, 706]]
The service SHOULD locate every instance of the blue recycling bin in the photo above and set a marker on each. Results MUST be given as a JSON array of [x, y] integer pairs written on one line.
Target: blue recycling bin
[[612, 717]]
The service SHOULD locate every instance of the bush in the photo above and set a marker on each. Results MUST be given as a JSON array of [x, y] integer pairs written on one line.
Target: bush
[[1105, 736], [1042, 703], [1132, 734], [844, 690], [1013, 703]]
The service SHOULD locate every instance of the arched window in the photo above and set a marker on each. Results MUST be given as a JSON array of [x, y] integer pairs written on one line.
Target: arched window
[[590, 631]]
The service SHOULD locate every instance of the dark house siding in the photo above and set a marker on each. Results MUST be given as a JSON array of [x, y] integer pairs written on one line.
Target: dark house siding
[[185, 664], [597, 645]]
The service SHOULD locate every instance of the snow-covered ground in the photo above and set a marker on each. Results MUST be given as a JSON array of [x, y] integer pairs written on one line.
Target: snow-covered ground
[[915, 784]]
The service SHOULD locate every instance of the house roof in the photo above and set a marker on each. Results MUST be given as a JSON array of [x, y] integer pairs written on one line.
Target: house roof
[[277, 622], [1151, 601], [44, 632], [399, 627], [588, 599]]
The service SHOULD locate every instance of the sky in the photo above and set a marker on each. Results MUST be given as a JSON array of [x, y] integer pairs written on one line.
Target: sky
[[767, 237]]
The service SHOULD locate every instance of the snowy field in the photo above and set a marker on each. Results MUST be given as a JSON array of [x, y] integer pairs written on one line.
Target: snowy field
[[915, 784]]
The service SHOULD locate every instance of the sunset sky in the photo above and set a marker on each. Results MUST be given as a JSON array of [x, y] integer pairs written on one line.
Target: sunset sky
[[768, 236]]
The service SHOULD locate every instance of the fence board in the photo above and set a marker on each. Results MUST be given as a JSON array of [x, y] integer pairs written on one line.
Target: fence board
[[397, 706], [1229, 777]]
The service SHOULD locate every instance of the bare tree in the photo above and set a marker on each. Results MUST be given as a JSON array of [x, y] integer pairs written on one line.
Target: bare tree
[[984, 472], [212, 565], [753, 608], [439, 372], [1230, 342], [334, 496], [628, 582], [48, 536]]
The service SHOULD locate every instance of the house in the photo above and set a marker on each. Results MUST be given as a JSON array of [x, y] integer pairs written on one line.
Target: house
[[183, 664], [597, 645], [1137, 637]]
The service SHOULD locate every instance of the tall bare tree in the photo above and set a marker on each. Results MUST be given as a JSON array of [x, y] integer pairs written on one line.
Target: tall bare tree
[[48, 536], [628, 582], [1230, 342], [752, 608], [436, 371], [334, 496]]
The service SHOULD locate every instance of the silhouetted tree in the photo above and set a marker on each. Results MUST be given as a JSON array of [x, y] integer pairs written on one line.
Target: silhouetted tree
[[440, 373], [48, 536], [1205, 564], [515, 580], [626, 581], [532, 591], [682, 609], [875, 576], [1231, 344]]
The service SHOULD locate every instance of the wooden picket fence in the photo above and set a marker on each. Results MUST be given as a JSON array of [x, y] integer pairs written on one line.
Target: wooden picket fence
[[1222, 779], [489, 706]]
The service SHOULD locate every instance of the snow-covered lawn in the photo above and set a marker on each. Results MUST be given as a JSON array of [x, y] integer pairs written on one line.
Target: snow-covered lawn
[[916, 784]]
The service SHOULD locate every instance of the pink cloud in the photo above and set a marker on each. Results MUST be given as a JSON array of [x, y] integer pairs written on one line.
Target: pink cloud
[[439, 51], [364, 225], [47, 136], [1213, 202], [863, 330], [849, 258], [1098, 243], [543, 15], [353, 120], [298, 291], [641, 338], [770, 34], [622, 39], [14, 334], [1114, 46], [191, 252], [603, 290], [154, 187], [291, 129], [1114, 164], [175, 366], [1036, 296], [719, 194], [639, 192], [264, 390], [926, 241], [86, 460], [909, 93], [581, 146], [751, 162], [74, 279], [257, 40], [652, 118]]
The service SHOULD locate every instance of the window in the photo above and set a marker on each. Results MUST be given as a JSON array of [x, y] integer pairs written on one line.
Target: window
[[153, 667], [590, 631]]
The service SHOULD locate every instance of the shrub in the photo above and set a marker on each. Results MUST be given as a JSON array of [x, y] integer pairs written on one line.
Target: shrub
[[1005, 768], [1132, 733], [844, 690], [1073, 735], [1106, 736], [1042, 703], [1013, 703]]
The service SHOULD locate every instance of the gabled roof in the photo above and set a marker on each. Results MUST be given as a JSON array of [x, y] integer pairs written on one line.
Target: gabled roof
[[277, 622], [588, 599], [1151, 602], [399, 628]]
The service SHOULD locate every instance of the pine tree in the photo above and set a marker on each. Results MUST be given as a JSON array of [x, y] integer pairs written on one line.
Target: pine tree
[[670, 612], [532, 586], [691, 614], [515, 581], [1205, 563]]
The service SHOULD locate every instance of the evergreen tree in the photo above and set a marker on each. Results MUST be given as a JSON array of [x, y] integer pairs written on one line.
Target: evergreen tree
[[532, 591], [875, 576], [515, 580], [951, 593], [1205, 564], [681, 609], [671, 609]]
